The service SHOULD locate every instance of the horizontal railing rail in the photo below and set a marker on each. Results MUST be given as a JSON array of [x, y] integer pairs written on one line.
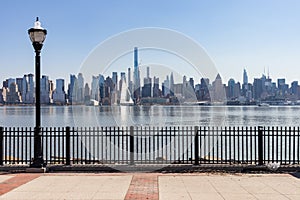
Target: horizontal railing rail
[[153, 145]]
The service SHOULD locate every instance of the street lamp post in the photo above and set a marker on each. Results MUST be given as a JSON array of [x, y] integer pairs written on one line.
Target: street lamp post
[[37, 36]]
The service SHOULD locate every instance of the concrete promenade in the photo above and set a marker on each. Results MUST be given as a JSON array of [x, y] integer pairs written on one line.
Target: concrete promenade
[[132, 186]]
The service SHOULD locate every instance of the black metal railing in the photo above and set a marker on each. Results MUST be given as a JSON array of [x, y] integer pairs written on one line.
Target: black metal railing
[[153, 145]]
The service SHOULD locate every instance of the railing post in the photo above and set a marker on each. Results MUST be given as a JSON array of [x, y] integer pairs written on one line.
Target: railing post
[[260, 145], [131, 147], [196, 145], [1, 145], [68, 145]]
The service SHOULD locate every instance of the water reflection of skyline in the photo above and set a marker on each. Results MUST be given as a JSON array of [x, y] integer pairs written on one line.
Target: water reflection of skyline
[[84, 116]]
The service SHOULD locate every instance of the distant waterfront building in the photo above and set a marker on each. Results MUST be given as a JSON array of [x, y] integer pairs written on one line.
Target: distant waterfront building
[[76, 89], [19, 82], [122, 79], [156, 91], [5, 84], [245, 88], [110, 96], [80, 92], [28, 90], [95, 88], [46, 93], [59, 94], [171, 84], [146, 89], [268, 89], [245, 77], [257, 88], [115, 80], [185, 85], [166, 87], [192, 83], [188, 90], [295, 88], [231, 84], [31, 92], [130, 83], [177, 89], [87, 95], [203, 93], [24, 87], [3, 92], [101, 83], [136, 75], [218, 93], [123, 76], [13, 95], [282, 87], [72, 89], [10, 81]]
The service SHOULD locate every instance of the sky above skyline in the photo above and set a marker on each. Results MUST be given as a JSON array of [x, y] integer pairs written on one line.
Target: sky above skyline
[[256, 35]]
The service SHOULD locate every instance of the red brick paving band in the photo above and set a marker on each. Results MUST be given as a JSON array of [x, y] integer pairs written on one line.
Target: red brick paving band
[[143, 186], [16, 181]]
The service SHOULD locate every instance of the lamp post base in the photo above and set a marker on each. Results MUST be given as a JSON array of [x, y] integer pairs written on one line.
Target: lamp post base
[[36, 170], [37, 163]]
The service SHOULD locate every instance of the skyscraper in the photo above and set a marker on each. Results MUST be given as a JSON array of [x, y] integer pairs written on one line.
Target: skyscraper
[[115, 80], [122, 79], [231, 84], [59, 94], [95, 88], [156, 92], [166, 86], [148, 72], [72, 90], [218, 94], [101, 87], [31, 94], [257, 88], [28, 89], [146, 90], [130, 84], [294, 87], [245, 83], [282, 87], [171, 84], [13, 95], [19, 82], [80, 92], [45, 90], [87, 96], [245, 77], [136, 73]]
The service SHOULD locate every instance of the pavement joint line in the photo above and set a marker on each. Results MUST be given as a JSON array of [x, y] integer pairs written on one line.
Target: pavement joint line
[[16, 181], [186, 189]]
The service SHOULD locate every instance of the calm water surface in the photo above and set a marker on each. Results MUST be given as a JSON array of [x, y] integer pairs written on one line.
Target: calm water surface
[[85, 116]]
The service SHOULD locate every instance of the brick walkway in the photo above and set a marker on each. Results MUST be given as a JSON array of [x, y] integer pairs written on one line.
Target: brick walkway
[[16, 181], [143, 186], [151, 186]]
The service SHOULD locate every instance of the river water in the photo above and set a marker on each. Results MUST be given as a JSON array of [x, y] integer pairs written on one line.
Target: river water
[[88, 116]]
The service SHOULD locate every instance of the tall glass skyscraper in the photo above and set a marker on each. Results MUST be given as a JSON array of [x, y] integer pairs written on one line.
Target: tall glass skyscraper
[[245, 77], [136, 73]]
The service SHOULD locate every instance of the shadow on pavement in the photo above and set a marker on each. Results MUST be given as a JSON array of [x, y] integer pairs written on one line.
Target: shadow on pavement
[[296, 174]]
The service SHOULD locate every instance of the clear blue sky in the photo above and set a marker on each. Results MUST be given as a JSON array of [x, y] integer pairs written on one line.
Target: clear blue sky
[[236, 33]]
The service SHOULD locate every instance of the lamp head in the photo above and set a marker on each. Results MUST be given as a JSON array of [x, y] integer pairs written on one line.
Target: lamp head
[[37, 34]]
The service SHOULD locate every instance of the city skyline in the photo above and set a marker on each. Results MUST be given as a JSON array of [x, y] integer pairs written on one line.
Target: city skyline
[[144, 72], [255, 35], [110, 89]]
